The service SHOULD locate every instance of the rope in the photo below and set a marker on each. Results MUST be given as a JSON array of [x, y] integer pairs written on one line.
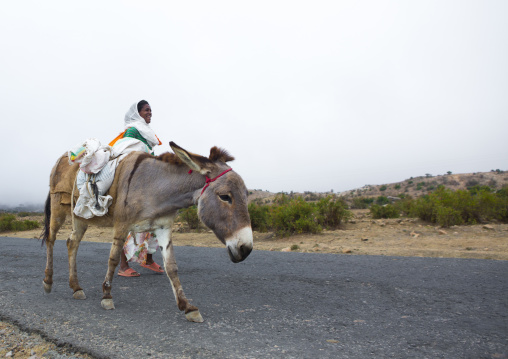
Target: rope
[[208, 180]]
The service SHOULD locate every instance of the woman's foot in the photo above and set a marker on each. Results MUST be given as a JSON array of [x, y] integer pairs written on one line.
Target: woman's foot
[[129, 272], [152, 266]]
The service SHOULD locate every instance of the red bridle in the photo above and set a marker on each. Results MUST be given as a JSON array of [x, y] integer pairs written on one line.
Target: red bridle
[[210, 180]]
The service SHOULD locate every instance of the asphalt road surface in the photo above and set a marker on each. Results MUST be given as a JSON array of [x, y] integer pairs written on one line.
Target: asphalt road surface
[[272, 305]]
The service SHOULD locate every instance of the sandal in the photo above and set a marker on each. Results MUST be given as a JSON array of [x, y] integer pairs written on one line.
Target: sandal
[[154, 266], [129, 272]]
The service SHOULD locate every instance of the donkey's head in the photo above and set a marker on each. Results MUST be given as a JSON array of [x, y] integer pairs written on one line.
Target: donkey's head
[[222, 203]]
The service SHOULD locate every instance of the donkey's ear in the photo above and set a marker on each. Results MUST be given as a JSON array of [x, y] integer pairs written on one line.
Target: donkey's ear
[[219, 154], [195, 162]]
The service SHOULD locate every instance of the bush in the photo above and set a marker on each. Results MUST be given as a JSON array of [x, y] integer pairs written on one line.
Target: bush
[[472, 182], [447, 217], [190, 216], [382, 200], [331, 212], [293, 217], [502, 205], [447, 207], [422, 208], [259, 217], [9, 223], [387, 211], [362, 202], [404, 205]]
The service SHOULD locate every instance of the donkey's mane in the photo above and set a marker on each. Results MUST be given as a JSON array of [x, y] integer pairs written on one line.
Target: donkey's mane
[[216, 154], [170, 158]]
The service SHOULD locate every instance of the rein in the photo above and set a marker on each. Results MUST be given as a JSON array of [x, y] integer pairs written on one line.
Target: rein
[[210, 180]]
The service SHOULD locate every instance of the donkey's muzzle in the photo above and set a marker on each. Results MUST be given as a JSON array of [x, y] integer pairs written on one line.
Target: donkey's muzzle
[[242, 253], [240, 246]]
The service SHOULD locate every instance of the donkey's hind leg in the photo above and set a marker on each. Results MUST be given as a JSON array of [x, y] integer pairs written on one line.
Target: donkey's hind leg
[[57, 213], [114, 259], [73, 241]]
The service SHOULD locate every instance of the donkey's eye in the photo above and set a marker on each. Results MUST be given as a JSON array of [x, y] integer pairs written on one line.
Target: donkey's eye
[[225, 198]]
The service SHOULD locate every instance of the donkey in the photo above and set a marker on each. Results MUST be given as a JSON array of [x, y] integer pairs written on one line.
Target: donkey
[[147, 192]]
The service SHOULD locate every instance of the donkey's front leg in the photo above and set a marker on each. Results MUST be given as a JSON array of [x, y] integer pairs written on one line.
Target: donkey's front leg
[[114, 259], [166, 245]]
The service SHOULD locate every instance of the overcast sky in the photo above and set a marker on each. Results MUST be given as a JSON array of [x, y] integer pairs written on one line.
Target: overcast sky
[[307, 95]]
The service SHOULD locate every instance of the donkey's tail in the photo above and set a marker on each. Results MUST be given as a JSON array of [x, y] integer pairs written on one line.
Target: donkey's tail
[[47, 216]]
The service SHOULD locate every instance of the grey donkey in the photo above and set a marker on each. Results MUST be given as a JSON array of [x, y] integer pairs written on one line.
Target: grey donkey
[[147, 193]]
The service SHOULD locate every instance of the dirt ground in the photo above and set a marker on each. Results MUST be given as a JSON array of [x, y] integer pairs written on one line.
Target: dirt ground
[[363, 235]]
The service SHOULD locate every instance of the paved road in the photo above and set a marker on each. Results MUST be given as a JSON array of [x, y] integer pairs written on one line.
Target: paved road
[[273, 305]]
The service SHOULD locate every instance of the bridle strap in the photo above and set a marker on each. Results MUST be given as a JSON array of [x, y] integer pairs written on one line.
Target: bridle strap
[[209, 180]]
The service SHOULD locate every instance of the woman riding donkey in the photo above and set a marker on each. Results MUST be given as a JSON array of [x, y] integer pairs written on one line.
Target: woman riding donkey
[[139, 247]]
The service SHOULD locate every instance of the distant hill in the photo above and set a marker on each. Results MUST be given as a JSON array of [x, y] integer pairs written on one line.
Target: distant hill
[[418, 186], [414, 186]]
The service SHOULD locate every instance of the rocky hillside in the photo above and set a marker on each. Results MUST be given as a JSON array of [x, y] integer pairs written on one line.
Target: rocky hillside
[[419, 186], [414, 186]]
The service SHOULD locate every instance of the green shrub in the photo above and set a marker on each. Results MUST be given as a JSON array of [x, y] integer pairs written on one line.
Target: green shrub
[[382, 200], [404, 205], [362, 202], [472, 183], [190, 216], [502, 204], [294, 216], [9, 223], [281, 199], [331, 212], [387, 211], [447, 207], [422, 208], [259, 217], [383, 188], [447, 217]]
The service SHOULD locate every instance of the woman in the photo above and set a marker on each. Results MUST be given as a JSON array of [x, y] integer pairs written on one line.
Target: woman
[[138, 247]]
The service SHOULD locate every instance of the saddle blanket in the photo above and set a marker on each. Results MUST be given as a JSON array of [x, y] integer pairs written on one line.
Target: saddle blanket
[[98, 166], [88, 204]]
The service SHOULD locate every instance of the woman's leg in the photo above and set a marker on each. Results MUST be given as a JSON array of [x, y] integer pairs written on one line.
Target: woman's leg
[[124, 265], [152, 245]]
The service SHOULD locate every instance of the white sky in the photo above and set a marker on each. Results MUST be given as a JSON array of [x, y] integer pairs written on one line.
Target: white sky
[[307, 95]]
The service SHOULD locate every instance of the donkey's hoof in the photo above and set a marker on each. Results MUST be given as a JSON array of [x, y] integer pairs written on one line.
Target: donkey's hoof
[[47, 287], [79, 294], [194, 316], [107, 304]]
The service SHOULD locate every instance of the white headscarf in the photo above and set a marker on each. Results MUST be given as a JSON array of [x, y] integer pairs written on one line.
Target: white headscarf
[[133, 119]]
